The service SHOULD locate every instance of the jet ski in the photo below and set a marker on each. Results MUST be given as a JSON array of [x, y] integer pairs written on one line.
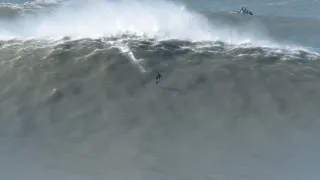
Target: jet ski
[[244, 10]]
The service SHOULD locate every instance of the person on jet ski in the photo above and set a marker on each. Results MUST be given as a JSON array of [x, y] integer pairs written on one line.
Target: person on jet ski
[[245, 11]]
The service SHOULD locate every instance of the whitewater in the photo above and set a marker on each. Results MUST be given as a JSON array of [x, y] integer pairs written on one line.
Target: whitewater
[[239, 98]]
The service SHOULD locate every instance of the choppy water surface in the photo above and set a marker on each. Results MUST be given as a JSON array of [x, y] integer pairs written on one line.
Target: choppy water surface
[[238, 101]]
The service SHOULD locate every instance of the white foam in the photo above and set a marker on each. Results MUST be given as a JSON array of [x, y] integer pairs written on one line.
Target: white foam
[[154, 19]]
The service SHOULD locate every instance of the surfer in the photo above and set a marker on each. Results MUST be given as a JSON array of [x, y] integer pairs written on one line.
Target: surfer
[[158, 78]]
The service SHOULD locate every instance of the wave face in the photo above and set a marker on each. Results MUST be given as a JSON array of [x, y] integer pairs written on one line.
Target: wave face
[[79, 100]]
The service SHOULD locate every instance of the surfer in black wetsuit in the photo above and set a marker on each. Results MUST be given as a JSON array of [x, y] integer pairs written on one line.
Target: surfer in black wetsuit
[[158, 78]]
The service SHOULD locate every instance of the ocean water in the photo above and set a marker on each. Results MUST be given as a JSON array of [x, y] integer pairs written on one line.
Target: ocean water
[[239, 98]]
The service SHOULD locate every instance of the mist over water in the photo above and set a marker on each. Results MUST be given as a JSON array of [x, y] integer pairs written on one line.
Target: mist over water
[[160, 19], [238, 101]]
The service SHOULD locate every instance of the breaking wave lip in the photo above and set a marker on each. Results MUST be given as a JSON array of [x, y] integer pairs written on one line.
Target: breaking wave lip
[[136, 21], [161, 20]]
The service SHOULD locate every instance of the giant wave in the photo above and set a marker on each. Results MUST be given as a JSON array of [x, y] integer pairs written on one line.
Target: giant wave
[[78, 97]]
